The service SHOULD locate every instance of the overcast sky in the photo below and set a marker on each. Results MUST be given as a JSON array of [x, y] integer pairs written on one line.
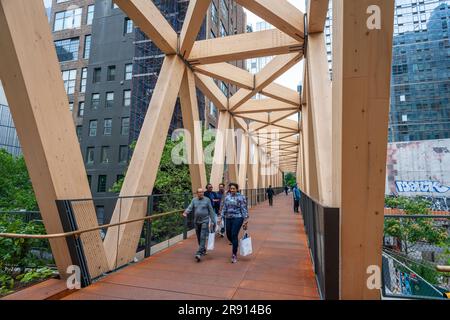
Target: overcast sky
[[48, 3]]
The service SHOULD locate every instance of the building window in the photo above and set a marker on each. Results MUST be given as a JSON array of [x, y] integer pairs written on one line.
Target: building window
[[128, 26], [97, 75], [67, 49], [69, 78], [69, 19], [224, 88], [87, 46], [100, 210], [83, 80], [71, 106], [106, 154], [92, 128], [107, 127], [214, 13], [123, 154], [213, 35], [81, 109], [224, 8], [79, 130], [125, 128], [111, 74], [90, 14], [127, 98], [89, 177], [223, 31], [109, 99], [101, 187], [128, 71], [90, 155], [212, 110], [95, 103]]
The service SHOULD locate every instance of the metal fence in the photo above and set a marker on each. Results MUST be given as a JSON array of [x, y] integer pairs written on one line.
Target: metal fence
[[413, 246], [322, 229]]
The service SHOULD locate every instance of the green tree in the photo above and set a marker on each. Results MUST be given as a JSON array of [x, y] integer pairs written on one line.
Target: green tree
[[290, 179], [411, 231], [16, 191]]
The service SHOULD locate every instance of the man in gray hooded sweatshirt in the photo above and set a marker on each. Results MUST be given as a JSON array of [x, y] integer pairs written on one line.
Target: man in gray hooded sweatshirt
[[203, 212]]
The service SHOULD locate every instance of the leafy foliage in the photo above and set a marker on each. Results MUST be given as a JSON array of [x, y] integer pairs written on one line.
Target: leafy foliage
[[290, 179], [19, 258], [413, 231], [16, 191]]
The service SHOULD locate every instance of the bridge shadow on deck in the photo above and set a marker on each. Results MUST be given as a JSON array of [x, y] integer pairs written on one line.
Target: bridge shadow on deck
[[279, 268]]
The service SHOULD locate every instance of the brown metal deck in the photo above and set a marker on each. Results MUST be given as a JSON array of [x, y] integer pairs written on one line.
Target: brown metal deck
[[279, 268]]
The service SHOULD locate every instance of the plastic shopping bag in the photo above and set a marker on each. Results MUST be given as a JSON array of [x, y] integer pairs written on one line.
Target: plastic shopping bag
[[245, 245], [211, 239]]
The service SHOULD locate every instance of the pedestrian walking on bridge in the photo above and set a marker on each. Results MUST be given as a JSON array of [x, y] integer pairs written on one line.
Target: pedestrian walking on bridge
[[203, 214], [270, 194]]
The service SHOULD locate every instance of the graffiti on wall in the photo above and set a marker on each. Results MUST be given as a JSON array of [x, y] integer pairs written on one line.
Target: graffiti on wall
[[421, 186]]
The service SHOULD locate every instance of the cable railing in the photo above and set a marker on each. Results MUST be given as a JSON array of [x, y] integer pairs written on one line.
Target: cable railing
[[157, 216]]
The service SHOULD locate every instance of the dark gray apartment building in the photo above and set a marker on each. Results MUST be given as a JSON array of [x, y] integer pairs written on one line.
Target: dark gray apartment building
[[71, 24], [122, 72]]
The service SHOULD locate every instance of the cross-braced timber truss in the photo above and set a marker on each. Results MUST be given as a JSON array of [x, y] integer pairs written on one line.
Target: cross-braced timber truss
[[337, 149]]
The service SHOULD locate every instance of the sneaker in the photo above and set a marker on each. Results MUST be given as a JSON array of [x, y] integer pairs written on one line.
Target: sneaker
[[198, 257], [204, 253], [221, 235], [233, 258]]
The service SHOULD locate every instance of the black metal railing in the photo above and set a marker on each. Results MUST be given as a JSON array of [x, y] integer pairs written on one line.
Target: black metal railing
[[322, 229], [413, 248]]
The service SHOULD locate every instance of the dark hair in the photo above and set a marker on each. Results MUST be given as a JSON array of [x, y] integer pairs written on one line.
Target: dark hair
[[209, 184], [232, 184], [221, 184]]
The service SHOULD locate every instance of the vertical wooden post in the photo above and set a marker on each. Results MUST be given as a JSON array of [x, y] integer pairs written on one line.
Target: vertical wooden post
[[30, 73], [191, 122], [219, 148], [362, 72]]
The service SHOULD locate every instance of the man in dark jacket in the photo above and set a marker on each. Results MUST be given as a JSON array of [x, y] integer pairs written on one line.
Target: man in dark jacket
[[270, 194]]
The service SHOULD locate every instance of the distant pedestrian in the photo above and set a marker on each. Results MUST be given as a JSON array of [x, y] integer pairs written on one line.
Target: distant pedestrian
[[203, 214], [235, 212], [221, 196], [286, 189], [270, 194], [214, 197], [296, 195]]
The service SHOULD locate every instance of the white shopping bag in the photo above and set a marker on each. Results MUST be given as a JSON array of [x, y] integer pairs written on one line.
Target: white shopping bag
[[211, 239], [245, 245]]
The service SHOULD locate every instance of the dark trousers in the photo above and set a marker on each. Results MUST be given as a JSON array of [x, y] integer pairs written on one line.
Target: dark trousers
[[233, 226], [270, 200], [202, 230], [296, 205], [286, 192]]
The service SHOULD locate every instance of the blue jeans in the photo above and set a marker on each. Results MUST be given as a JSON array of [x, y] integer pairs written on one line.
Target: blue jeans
[[233, 226]]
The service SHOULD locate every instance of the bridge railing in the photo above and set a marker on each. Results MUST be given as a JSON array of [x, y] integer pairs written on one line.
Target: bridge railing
[[162, 222], [322, 229]]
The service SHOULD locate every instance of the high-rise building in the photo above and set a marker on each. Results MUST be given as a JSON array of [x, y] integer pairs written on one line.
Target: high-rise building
[[71, 24], [8, 135], [420, 85], [123, 69], [420, 92]]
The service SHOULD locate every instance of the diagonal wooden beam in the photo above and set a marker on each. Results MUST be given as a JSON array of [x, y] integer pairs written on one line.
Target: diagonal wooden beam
[[275, 68], [228, 73], [192, 123], [143, 168], [147, 16], [243, 46], [282, 93], [195, 16], [31, 77], [317, 15], [264, 105], [212, 91], [281, 14]]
